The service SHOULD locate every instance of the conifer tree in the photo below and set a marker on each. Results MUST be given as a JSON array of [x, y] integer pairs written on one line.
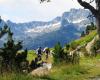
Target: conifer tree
[[82, 34], [58, 52]]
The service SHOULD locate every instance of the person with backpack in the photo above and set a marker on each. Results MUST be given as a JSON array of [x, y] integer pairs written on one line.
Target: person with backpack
[[39, 53], [47, 52]]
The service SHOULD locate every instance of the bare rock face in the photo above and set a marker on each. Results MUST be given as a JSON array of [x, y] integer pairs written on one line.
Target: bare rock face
[[77, 50], [42, 71], [90, 45]]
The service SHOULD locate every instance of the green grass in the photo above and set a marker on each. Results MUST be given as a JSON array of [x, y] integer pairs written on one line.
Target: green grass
[[18, 76], [88, 67], [84, 40], [31, 55]]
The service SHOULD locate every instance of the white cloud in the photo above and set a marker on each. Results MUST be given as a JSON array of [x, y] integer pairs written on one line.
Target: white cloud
[[28, 10], [5, 17], [2, 1]]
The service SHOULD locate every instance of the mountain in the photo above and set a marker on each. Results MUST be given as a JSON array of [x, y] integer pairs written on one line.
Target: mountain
[[61, 29]]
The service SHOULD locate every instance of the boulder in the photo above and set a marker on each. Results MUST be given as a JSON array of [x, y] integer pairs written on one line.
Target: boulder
[[89, 46], [42, 71]]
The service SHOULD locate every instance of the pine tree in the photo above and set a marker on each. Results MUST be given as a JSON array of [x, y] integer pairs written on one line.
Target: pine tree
[[58, 52], [8, 52], [3, 30], [82, 34]]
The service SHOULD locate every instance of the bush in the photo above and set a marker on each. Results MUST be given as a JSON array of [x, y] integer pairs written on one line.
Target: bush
[[82, 34], [58, 53], [11, 61], [97, 44], [90, 28]]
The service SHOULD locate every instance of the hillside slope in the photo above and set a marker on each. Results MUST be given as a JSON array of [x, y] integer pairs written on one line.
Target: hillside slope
[[84, 40]]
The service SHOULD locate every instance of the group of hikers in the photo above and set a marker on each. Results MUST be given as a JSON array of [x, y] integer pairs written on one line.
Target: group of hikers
[[39, 52], [19, 61]]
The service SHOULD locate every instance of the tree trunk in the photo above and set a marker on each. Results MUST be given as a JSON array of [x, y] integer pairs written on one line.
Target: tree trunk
[[98, 16], [98, 24], [95, 12]]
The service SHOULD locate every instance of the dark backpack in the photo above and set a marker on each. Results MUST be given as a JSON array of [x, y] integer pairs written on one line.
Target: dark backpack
[[39, 51]]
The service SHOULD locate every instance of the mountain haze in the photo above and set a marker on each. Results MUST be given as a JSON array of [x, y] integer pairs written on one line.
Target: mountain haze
[[62, 29]]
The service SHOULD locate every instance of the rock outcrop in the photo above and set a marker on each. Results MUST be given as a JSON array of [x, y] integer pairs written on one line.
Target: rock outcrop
[[89, 46], [42, 71]]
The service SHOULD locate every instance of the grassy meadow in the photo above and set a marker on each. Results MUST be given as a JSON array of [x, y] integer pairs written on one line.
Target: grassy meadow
[[87, 69]]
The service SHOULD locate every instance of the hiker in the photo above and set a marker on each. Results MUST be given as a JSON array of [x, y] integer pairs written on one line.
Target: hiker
[[33, 64], [39, 53], [47, 52]]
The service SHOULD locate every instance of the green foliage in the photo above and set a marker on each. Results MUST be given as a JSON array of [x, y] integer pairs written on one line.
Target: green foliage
[[58, 53], [82, 34], [83, 40], [67, 46], [17, 76], [3, 30], [89, 28], [87, 67], [95, 47], [8, 53], [31, 55], [97, 44]]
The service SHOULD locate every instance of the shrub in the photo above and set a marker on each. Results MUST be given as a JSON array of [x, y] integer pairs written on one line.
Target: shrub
[[58, 53], [82, 34]]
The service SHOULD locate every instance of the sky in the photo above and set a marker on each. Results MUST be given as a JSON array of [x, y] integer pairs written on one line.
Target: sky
[[20, 11]]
